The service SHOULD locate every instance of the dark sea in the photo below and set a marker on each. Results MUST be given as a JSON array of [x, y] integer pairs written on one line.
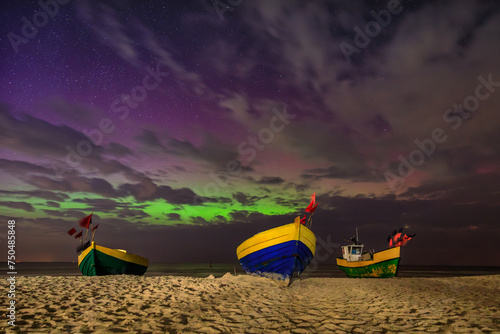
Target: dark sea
[[219, 269]]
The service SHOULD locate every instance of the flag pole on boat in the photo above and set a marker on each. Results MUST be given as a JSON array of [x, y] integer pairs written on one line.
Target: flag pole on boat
[[310, 223], [310, 208], [91, 227], [85, 222], [93, 231], [79, 235]]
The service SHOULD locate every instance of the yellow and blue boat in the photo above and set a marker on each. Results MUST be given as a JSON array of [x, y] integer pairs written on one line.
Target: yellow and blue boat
[[95, 260], [280, 253]]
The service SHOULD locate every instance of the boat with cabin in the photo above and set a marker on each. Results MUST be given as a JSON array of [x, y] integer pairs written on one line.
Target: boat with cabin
[[356, 262]]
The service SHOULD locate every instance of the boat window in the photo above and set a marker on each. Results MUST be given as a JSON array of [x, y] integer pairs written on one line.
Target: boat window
[[356, 250]]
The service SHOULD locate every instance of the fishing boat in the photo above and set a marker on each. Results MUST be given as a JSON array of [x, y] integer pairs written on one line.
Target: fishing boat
[[384, 264], [282, 252], [95, 260]]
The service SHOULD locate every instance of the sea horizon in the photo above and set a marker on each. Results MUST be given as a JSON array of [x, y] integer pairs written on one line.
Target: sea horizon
[[218, 269]]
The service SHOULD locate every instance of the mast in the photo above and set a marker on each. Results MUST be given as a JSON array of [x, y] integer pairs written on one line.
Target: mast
[[357, 240]]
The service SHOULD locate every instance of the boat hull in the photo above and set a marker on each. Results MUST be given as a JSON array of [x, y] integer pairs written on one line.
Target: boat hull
[[280, 253], [97, 261], [384, 265]]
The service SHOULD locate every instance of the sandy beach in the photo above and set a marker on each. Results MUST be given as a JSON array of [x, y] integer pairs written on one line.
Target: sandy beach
[[246, 304]]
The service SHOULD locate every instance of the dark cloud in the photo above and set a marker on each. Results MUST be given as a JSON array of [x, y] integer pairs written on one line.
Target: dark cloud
[[43, 178], [117, 150], [180, 168], [175, 196], [380, 125], [340, 172], [271, 180], [351, 121], [475, 189], [20, 168], [74, 214], [73, 184], [44, 194], [130, 213], [173, 216], [53, 204], [419, 214], [116, 27], [74, 113], [199, 221], [150, 140], [246, 168], [31, 135], [468, 159], [103, 204], [246, 199], [148, 190], [297, 187], [210, 151], [246, 216], [287, 202], [18, 205]]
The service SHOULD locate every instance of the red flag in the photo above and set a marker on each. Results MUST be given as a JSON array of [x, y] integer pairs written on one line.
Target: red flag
[[85, 222], [403, 241], [406, 238], [313, 201], [72, 231], [78, 235], [303, 220], [397, 238], [95, 227], [314, 207]]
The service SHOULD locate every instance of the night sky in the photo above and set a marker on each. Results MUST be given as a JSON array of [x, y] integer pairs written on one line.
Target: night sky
[[188, 126]]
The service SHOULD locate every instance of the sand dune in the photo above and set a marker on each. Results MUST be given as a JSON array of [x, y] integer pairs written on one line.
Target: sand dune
[[246, 304]]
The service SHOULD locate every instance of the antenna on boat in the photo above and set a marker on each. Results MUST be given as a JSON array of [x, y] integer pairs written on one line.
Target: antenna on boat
[[310, 221], [357, 239]]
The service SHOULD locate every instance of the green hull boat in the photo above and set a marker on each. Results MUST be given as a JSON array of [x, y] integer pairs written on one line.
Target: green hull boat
[[356, 264], [96, 260], [386, 269]]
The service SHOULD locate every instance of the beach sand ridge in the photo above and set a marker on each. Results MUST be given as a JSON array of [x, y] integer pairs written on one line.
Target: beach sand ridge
[[247, 304]]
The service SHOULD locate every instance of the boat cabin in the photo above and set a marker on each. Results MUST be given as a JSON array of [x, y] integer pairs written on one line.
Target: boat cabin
[[352, 252]]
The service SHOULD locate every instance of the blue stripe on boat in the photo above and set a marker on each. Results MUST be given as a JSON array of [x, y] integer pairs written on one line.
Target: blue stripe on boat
[[286, 259]]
